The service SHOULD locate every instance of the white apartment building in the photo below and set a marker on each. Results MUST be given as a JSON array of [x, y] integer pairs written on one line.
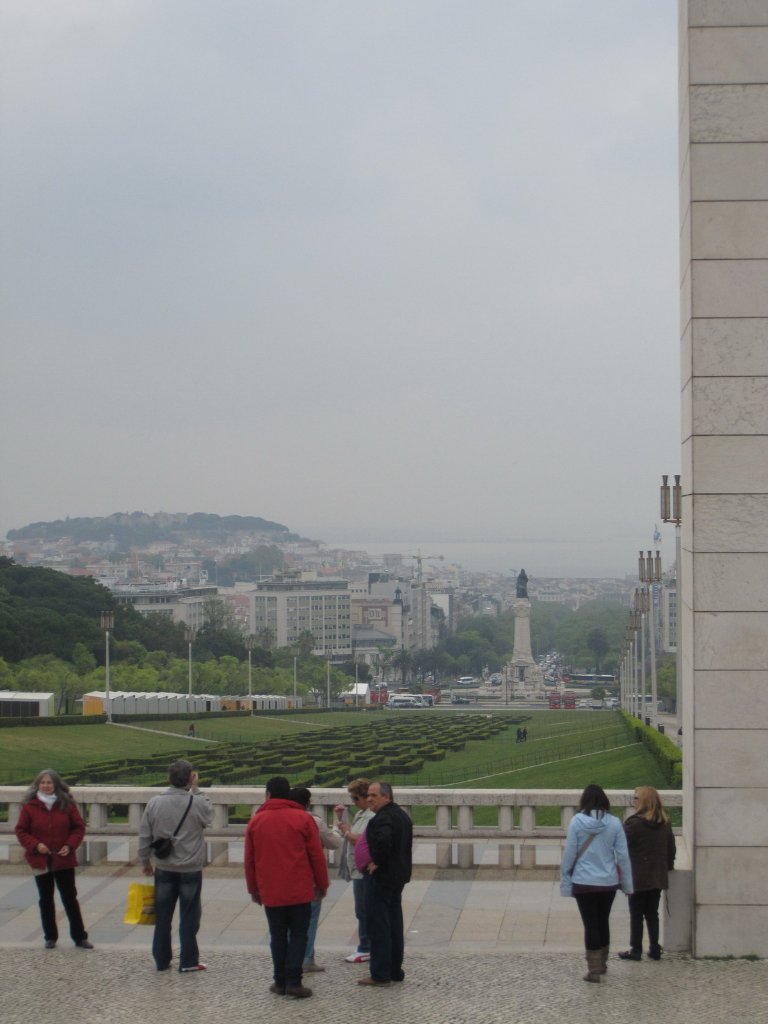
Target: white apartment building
[[293, 603], [177, 602]]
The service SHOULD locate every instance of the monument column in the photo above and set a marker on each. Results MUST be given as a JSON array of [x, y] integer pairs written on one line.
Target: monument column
[[525, 670], [724, 359]]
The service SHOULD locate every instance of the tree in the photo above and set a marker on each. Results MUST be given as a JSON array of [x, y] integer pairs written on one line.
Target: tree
[[402, 662], [82, 660], [266, 638], [306, 643], [598, 644]]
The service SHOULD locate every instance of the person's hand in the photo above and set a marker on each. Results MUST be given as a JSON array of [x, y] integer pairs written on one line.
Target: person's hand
[[255, 898], [371, 867], [321, 893], [42, 848], [147, 869], [193, 778], [64, 851]]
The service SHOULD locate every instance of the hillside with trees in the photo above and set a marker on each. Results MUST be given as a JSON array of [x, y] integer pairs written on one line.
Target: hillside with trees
[[136, 529]]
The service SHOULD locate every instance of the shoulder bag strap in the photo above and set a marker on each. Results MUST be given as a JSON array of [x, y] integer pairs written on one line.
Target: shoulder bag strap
[[584, 848], [184, 815]]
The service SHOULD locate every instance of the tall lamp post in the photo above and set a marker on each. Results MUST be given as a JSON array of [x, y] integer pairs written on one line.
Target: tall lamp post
[[650, 574], [671, 512], [328, 683], [250, 643], [189, 636], [107, 624]]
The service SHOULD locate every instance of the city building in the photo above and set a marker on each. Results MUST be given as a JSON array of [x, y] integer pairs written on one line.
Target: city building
[[295, 604]]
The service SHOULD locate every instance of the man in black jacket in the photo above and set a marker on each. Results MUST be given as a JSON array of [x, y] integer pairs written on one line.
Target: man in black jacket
[[390, 837]]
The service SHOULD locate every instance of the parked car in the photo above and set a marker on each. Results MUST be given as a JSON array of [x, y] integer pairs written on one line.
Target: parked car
[[460, 700]]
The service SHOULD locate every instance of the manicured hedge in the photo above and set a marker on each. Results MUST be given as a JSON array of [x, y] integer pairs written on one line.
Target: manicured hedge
[[667, 754]]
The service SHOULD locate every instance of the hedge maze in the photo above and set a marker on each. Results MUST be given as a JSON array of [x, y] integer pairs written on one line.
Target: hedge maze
[[399, 745]]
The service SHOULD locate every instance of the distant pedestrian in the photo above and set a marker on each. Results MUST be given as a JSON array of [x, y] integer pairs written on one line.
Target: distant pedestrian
[[330, 841], [652, 852], [181, 814], [191, 730], [50, 828], [389, 837], [594, 866], [525, 734], [285, 870], [519, 738]]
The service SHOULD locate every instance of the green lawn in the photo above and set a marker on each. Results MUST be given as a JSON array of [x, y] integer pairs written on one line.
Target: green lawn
[[564, 749]]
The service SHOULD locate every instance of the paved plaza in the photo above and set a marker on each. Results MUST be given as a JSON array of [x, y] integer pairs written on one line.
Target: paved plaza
[[477, 951]]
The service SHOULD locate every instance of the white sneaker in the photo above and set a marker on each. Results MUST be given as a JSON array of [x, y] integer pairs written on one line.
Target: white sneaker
[[357, 958]]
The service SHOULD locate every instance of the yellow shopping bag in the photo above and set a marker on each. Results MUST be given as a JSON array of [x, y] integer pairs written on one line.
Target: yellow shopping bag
[[141, 904]]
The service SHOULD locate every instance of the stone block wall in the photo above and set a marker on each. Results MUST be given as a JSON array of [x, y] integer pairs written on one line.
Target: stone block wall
[[724, 364]]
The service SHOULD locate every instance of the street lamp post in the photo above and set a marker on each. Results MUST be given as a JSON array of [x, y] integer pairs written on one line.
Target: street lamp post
[[295, 698], [250, 643], [189, 636], [650, 574], [107, 624], [671, 512], [328, 683]]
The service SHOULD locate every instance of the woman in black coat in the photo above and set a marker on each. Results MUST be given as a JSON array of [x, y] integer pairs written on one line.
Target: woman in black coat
[[652, 854]]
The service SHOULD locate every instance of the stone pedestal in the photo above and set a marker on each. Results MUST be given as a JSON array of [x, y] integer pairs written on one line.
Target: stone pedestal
[[525, 672]]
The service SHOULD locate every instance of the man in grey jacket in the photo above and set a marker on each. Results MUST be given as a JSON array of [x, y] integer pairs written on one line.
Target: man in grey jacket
[[179, 876]]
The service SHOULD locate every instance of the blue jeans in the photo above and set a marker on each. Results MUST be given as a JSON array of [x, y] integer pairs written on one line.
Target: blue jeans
[[314, 920], [287, 940], [358, 891], [384, 916], [170, 887]]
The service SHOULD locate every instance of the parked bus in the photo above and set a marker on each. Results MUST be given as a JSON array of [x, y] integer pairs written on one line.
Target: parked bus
[[569, 699], [555, 701]]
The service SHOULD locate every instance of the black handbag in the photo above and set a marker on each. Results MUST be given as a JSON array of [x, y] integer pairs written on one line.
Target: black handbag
[[162, 847]]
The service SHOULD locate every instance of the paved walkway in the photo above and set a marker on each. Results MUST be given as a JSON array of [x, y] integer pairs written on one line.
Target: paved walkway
[[477, 951]]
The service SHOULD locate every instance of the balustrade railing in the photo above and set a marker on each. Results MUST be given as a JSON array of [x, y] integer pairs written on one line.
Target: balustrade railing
[[455, 840]]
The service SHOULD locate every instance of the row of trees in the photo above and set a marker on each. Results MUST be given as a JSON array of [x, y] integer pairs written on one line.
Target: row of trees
[[589, 638]]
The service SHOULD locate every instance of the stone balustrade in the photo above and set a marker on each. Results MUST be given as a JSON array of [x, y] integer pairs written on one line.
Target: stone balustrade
[[453, 836]]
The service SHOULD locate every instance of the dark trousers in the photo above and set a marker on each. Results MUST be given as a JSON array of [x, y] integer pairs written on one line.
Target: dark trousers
[[384, 918], [64, 881], [288, 928], [595, 910], [358, 889], [184, 888], [644, 906]]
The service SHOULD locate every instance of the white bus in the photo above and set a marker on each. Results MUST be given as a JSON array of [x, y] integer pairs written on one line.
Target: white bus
[[406, 700]]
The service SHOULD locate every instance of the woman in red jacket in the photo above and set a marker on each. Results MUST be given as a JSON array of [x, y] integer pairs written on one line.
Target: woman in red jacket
[[50, 829]]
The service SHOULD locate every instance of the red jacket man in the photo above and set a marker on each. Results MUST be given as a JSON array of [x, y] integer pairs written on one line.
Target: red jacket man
[[284, 870]]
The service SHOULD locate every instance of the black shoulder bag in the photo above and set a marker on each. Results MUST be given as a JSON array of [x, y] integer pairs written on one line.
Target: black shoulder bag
[[162, 847]]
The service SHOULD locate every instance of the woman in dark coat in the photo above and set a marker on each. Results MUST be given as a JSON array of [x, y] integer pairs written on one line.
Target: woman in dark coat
[[50, 828], [652, 853]]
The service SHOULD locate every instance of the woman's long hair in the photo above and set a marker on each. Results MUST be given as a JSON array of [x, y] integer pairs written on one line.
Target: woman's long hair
[[594, 799], [60, 788], [649, 804]]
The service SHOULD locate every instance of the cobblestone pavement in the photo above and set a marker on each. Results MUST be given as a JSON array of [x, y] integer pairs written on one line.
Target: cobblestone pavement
[[122, 987], [478, 952]]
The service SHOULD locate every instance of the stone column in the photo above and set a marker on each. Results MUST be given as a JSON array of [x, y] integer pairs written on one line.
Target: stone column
[[724, 358]]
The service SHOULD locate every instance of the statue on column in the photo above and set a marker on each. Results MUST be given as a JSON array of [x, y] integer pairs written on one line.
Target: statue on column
[[522, 584]]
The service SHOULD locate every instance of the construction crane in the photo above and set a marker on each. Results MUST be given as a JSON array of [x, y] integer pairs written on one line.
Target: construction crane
[[419, 558]]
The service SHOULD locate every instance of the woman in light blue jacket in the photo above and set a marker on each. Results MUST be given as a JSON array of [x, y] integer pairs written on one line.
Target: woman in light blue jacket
[[595, 865]]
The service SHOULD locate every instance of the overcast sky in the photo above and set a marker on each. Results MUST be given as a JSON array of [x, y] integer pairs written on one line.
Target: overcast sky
[[374, 270]]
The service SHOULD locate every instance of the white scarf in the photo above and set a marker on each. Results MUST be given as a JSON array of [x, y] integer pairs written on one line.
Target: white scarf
[[49, 799]]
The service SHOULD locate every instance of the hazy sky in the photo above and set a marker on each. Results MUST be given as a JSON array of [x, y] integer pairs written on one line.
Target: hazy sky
[[374, 270]]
